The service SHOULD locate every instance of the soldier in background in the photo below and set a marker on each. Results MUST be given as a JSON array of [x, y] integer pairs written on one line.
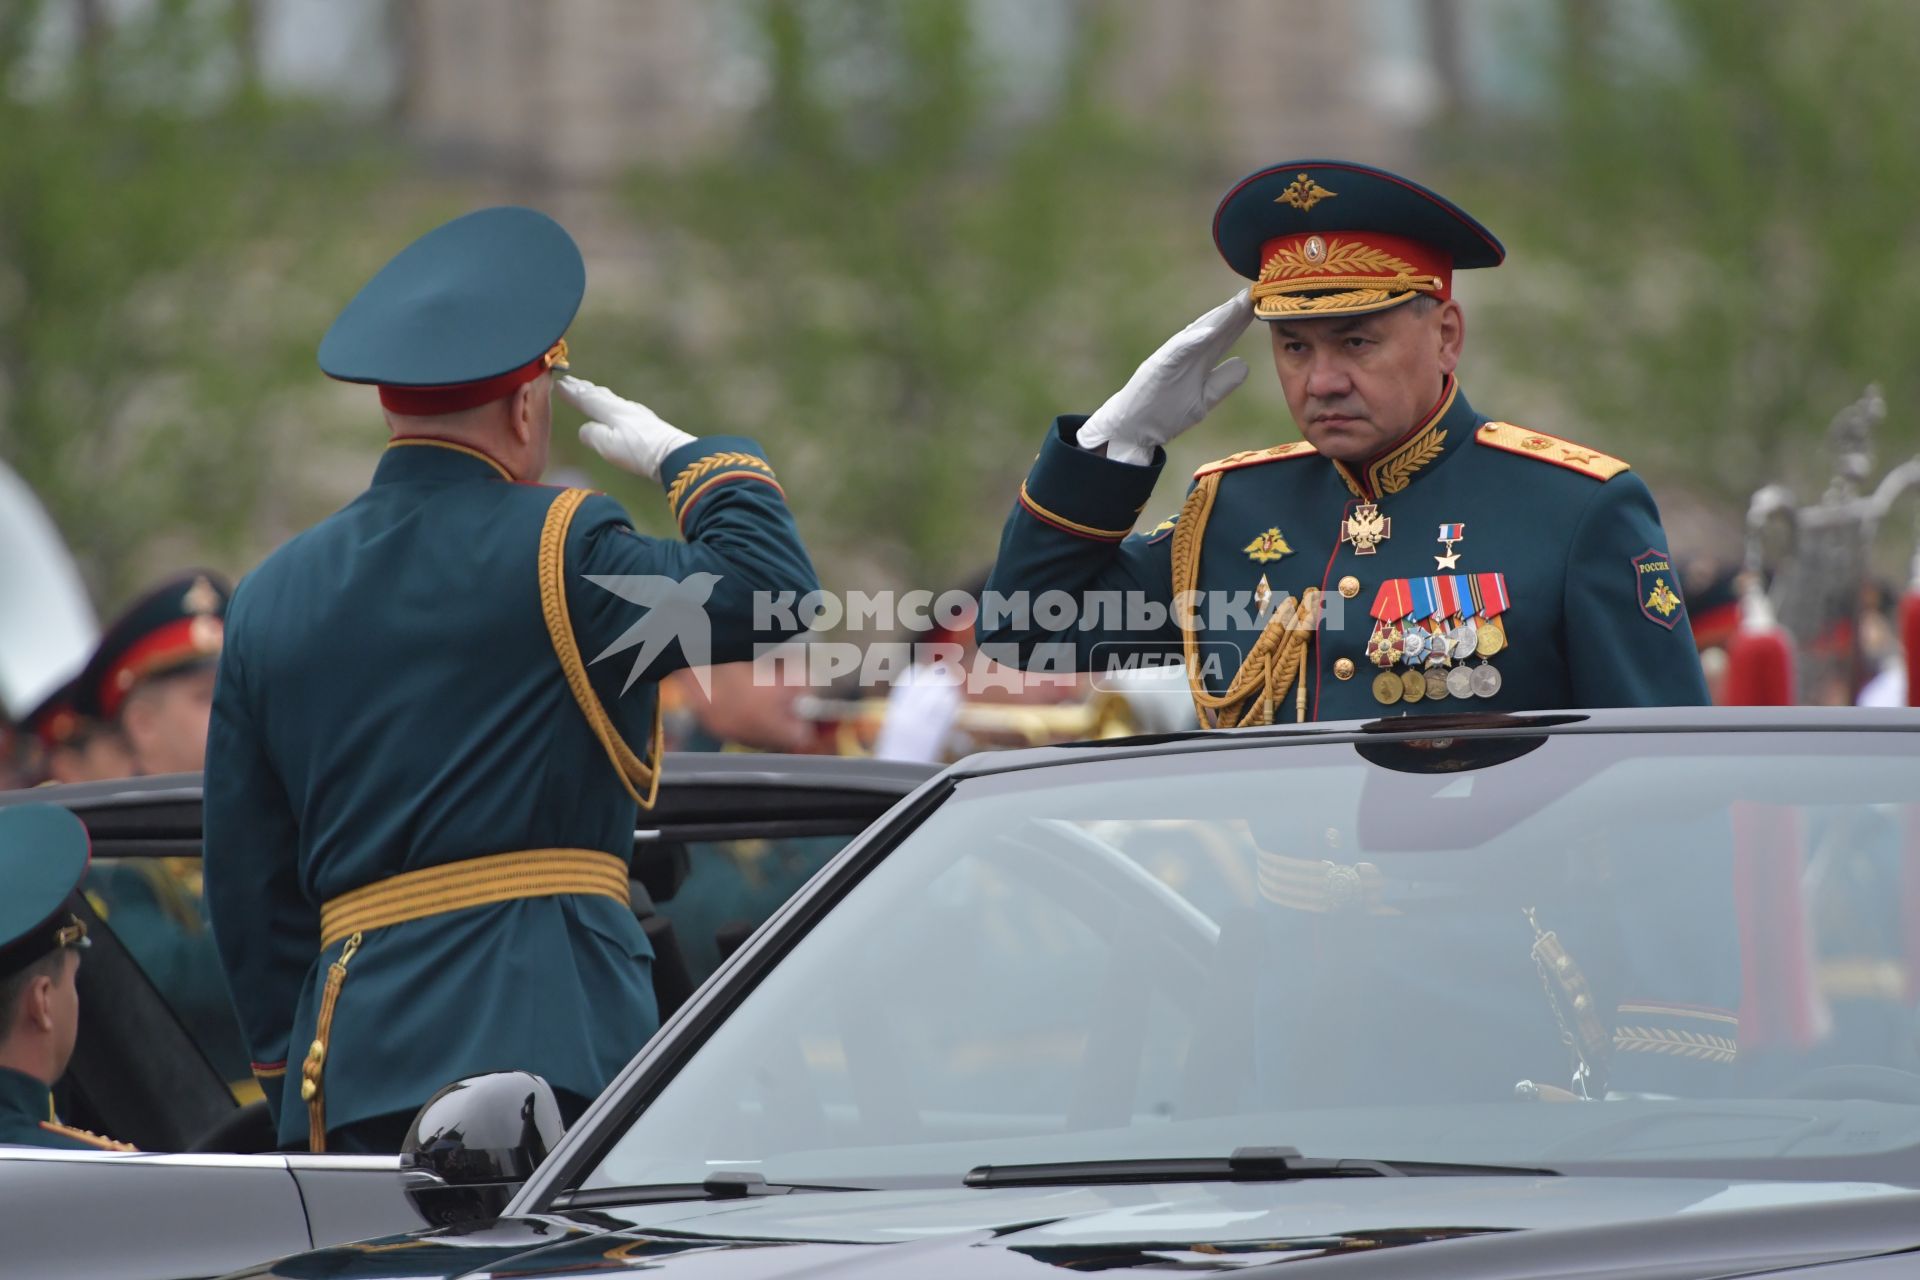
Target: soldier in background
[[151, 676], [67, 746], [149, 686]]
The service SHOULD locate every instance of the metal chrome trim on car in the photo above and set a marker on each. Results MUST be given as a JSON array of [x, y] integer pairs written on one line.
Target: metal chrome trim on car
[[278, 1160]]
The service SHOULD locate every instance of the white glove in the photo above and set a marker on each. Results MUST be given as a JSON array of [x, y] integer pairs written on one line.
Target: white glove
[[624, 432], [1176, 387]]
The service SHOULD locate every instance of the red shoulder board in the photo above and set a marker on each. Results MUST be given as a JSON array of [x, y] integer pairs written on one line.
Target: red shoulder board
[[1561, 453], [1253, 457]]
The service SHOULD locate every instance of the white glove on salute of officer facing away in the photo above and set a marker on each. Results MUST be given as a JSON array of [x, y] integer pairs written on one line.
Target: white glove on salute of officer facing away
[[624, 432], [1177, 386]]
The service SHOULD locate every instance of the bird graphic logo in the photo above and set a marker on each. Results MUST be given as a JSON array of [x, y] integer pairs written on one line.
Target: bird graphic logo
[[676, 613]]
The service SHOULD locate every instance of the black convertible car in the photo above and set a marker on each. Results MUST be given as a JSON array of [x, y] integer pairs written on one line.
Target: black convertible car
[[159, 1061], [1620, 994]]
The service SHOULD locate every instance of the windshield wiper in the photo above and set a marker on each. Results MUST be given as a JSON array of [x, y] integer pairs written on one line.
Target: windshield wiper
[[723, 1184], [1248, 1164]]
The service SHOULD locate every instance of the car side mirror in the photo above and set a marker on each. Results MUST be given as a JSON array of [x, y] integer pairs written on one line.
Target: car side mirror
[[475, 1142]]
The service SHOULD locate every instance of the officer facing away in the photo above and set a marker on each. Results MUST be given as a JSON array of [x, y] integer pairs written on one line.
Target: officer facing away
[[421, 786]]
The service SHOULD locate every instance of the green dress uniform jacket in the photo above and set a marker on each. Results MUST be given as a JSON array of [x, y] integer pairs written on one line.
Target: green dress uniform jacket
[[1561, 544], [390, 699], [26, 1118]]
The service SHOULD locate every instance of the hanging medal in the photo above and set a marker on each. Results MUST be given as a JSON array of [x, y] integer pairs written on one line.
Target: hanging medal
[[1456, 600], [1417, 645], [1492, 591], [1433, 609], [1457, 608], [1489, 591], [1384, 647], [1438, 677]]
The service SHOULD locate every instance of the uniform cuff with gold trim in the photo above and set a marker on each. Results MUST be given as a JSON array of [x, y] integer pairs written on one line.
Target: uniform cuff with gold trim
[[1077, 491], [694, 470]]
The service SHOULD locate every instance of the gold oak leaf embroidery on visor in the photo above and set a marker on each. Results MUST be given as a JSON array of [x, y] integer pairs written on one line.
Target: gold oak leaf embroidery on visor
[[1339, 258]]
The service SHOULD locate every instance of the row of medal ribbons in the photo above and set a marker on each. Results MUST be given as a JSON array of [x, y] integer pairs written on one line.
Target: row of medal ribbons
[[1432, 627]]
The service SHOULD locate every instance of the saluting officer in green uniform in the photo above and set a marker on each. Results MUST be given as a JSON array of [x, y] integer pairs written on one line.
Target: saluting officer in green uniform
[[1409, 555], [43, 855], [422, 786]]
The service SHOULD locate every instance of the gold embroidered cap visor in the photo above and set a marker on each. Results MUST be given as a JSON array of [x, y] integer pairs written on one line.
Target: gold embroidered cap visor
[[1329, 238]]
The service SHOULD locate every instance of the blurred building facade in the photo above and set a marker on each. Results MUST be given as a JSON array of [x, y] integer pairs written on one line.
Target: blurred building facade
[[576, 92]]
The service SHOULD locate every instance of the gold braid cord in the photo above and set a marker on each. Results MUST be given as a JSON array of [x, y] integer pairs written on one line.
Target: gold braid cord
[[313, 1069], [640, 777], [1277, 660]]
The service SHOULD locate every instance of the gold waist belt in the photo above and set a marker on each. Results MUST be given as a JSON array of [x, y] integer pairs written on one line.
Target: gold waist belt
[[432, 891], [475, 882]]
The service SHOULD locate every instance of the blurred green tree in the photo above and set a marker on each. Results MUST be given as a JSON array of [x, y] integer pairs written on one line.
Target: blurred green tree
[[1713, 219], [153, 201], [913, 257]]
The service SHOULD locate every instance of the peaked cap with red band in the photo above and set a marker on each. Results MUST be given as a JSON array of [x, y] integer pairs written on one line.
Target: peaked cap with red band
[[462, 316], [179, 624], [55, 722], [1330, 238]]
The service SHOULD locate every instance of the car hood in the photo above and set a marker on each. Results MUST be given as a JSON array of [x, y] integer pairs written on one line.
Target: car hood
[[1201, 1227]]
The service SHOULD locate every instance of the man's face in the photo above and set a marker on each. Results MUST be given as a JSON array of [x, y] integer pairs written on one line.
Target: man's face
[[1356, 384], [98, 754], [166, 721]]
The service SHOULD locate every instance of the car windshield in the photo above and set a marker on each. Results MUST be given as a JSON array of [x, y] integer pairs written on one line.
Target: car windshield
[[1587, 950]]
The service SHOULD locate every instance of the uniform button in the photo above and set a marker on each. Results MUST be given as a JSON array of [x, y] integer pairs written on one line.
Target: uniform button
[[1349, 586], [1343, 669]]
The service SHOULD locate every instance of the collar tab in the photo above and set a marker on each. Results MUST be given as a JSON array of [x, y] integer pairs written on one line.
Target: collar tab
[[1443, 431]]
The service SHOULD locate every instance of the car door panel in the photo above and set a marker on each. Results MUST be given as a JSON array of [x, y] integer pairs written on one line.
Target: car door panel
[[352, 1197], [120, 1217]]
